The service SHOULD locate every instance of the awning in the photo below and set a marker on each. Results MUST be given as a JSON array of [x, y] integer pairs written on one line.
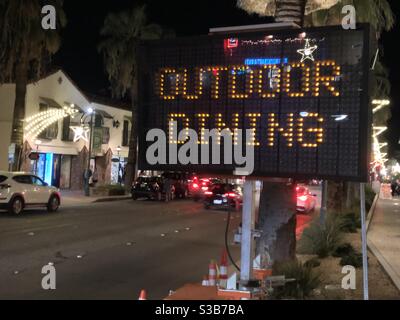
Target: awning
[[71, 151], [104, 114], [51, 103]]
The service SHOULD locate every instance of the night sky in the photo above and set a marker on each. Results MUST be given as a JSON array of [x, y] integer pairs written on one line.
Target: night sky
[[79, 58]]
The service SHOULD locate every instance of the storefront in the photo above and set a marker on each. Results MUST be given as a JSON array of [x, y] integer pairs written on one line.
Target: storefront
[[54, 169]]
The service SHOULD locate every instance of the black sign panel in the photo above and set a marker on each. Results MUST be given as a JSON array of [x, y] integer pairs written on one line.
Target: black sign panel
[[304, 95]]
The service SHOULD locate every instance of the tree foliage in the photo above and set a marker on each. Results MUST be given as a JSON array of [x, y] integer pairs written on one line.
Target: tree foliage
[[21, 31], [121, 34]]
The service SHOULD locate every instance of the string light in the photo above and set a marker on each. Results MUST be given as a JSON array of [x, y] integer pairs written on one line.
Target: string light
[[307, 52], [39, 122]]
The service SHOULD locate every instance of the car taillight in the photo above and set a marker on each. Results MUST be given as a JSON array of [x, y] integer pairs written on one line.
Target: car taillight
[[204, 188], [208, 193], [230, 195], [195, 186], [303, 198], [4, 186]]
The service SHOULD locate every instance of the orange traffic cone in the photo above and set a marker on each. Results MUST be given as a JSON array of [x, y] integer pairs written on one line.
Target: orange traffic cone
[[212, 274], [223, 270], [143, 295]]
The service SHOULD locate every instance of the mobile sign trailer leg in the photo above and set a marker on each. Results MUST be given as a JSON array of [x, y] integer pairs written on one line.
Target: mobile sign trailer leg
[[248, 225]]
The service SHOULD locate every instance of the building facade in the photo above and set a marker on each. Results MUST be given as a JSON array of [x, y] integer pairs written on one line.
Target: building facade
[[56, 155]]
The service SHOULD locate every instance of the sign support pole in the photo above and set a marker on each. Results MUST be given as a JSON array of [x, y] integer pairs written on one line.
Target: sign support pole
[[364, 241], [324, 203], [247, 240]]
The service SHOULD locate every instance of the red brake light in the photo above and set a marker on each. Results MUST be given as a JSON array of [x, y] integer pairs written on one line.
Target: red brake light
[[204, 188], [195, 186], [208, 193], [230, 195]]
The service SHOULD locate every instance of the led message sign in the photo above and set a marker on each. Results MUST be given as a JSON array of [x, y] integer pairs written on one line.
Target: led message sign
[[304, 96]]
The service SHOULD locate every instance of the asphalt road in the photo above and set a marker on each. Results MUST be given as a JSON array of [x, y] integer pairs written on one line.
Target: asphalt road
[[110, 250]]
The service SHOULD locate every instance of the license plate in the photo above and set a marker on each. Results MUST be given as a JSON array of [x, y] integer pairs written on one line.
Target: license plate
[[217, 201]]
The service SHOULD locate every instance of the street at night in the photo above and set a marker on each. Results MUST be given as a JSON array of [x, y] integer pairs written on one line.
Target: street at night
[[124, 246], [203, 153]]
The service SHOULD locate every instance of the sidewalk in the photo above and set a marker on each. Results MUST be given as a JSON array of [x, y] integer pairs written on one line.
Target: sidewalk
[[78, 198], [384, 236]]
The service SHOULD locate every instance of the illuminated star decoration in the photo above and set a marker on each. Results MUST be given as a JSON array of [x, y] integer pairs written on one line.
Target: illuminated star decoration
[[80, 133], [307, 52]]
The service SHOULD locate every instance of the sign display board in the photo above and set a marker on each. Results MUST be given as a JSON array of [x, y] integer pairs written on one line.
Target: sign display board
[[303, 96]]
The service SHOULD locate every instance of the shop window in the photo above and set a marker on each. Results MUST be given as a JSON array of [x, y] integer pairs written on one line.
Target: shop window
[[66, 131], [51, 132]]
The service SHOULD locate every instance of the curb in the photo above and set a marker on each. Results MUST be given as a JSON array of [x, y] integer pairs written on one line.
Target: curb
[[111, 199], [385, 265], [374, 250]]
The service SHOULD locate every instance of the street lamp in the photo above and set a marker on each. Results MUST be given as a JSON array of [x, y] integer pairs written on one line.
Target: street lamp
[[37, 143], [91, 112]]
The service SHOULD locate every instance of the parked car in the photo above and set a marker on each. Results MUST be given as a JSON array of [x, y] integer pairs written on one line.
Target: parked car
[[198, 187], [306, 201], [223, 195], [19, 190], [148, 187]]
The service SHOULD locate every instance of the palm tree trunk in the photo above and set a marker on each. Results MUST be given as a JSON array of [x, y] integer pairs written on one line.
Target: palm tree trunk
[[277, 216], [290, 11], [335, 196], [21, 82], [131, 172]]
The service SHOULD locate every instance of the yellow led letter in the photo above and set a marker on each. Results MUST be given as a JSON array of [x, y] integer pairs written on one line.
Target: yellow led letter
[[233, 88], [301, 131], [273, 128], [198, 90], [174, 81], [274, 80], [186, 124], [305, 86], [326, 80]]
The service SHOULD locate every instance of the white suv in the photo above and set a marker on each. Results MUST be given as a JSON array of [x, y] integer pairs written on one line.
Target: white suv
[[20, 190]]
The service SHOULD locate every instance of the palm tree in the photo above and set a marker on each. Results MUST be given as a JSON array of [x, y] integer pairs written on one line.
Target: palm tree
[[277, 203], [122, 33], [24, 49]]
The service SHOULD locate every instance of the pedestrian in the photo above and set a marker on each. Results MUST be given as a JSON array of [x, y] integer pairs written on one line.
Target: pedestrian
[[395, 187], [87, 176], [167, 189]]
